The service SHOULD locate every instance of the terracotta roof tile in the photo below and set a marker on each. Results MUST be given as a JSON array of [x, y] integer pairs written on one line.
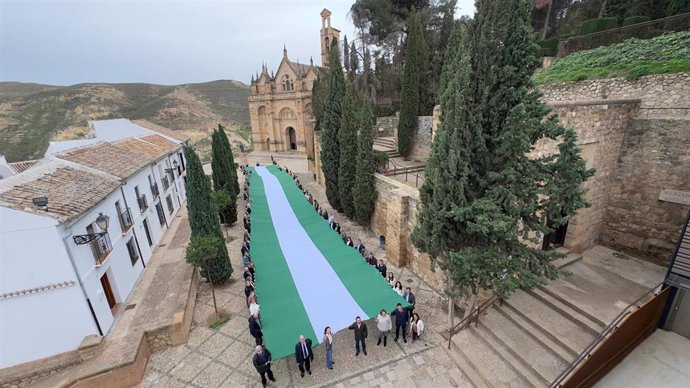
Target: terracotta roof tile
[[118, 161], [70, 191], [162, 130], [18, 167], [153, 147]]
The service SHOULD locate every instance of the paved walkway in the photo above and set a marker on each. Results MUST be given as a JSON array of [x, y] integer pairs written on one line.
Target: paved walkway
[[223, 357], [662, 360]]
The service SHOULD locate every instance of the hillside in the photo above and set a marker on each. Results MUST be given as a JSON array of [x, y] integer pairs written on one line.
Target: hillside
[[31, 115], [632, 59]]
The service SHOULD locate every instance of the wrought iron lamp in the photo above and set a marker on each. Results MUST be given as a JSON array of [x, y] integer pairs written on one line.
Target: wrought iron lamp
[[102, 221]]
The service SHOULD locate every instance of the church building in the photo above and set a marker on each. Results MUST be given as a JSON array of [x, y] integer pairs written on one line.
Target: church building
[[280, 103]]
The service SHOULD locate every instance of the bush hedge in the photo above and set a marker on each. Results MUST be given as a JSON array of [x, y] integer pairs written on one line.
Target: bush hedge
[[381, 158], [596, 25], [549, 47], [630, 20]]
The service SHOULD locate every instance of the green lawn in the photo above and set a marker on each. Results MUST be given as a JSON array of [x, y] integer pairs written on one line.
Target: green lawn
[[631, 59]]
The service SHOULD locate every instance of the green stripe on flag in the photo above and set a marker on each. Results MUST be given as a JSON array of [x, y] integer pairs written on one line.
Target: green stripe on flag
[[283, 316], [363, 281]]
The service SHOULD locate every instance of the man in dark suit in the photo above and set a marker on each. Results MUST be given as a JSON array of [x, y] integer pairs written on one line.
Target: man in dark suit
[[255, 328], [304, 355], [361, 335], [262, 363], [400, 322]]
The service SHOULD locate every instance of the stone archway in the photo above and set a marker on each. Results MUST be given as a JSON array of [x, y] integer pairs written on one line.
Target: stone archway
[[291, 137]]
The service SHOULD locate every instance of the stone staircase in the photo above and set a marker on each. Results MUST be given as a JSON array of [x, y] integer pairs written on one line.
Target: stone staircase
[[389, 145], [529, 339]]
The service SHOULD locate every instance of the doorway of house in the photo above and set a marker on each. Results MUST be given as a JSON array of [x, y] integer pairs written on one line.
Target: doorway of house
[[109, 295], [555, 239], [292, 137]]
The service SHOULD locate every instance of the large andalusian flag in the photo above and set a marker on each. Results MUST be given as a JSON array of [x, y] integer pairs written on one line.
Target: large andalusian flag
[[306, 278]]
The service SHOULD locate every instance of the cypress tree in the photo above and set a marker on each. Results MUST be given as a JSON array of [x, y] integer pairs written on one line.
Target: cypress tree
[[347, 137], [232, 172], [346, 55], [203, 216], [224, 174], [413, 81], [484, 198], [332, 116], [364, 193]]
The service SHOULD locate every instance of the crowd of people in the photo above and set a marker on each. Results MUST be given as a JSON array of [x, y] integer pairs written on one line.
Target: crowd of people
[[406, 320]]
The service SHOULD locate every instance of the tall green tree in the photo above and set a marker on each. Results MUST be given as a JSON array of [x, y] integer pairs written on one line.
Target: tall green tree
[[319, 92], [347, 137], [203, 217], [224, 174], [364, 194], [414, 82], [332, 120], [484, 197]]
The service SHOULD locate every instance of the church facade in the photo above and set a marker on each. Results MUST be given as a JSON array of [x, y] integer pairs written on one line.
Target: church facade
[[280, 103]]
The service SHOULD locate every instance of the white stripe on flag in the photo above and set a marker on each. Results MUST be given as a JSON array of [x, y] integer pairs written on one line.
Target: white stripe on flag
[[325, 298]]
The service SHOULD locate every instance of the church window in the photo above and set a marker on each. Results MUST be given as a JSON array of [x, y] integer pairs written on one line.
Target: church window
[[288, 84]]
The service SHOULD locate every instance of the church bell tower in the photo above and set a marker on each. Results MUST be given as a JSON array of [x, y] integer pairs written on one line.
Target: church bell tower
[[329, 36]]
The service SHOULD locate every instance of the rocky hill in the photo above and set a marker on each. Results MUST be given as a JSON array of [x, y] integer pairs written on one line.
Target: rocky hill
[[31, 115]]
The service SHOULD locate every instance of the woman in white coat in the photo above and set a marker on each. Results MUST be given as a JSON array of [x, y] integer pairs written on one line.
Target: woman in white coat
[[416, 327], [384, 325]]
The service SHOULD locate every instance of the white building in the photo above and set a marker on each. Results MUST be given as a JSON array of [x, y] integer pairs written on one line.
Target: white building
[[62, 277]]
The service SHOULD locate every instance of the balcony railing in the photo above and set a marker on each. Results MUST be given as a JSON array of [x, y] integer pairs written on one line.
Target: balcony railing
[[125, 220], [101, 248], [166, 183], [154, 191], [143, 203]]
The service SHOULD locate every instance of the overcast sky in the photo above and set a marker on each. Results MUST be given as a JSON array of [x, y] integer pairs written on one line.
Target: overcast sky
[[63, 42]]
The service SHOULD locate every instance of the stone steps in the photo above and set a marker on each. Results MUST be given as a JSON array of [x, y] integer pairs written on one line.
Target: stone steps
[[467, 369], [486, 362], [586, 320], [565, 331], [541, 361], [561, 351]]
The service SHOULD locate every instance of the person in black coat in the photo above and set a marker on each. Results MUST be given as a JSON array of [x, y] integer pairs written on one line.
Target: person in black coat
[[359, 247], [361, 335], [410, 298], [255, 328], [262, 363], [382, 268], [304, 355], [400, 315]]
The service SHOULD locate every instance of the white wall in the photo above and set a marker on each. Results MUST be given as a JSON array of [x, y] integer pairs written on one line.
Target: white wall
[[44, 323], [121, 273]]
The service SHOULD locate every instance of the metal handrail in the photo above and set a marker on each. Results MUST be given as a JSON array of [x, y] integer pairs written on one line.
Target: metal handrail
[[600, 338], [473, 317]]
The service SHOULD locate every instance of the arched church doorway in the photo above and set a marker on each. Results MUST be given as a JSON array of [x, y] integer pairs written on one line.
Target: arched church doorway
[[292, 137]]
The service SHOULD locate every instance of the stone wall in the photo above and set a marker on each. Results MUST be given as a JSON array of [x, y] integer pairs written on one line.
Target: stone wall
[[386, 126], [662, 90], [421, 148], [395, 216], [600, 127], [656, 156]]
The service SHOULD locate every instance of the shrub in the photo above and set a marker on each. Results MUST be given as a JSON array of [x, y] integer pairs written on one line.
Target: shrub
[[630, 20], [595, 25], [549, 47], [381, 158]]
